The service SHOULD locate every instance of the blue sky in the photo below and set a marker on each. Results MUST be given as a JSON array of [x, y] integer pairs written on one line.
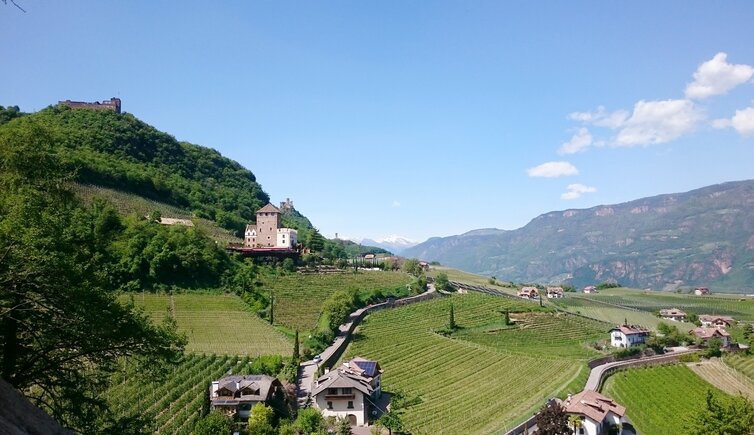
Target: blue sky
[[416, 118]]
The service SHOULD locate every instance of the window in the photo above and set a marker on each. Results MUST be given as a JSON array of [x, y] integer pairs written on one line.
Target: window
[[329, 405], [332, 391], [350, 404], [347, 391]]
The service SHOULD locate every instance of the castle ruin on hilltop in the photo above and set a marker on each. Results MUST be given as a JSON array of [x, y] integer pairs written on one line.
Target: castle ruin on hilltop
[[111, 104]]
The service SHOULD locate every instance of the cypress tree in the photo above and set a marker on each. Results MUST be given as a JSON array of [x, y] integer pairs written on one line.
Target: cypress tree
[[272, 308], [296, 355], [452, 319]]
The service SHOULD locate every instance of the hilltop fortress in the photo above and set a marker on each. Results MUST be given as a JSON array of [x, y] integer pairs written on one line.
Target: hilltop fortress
[[112, 104]]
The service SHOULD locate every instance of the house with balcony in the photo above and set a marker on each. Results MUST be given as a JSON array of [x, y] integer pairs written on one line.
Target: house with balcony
[[236, 395], [528, 293], [712, 321], [707, 334], [626, 336], [597, 412], [673, 314], [349, 391], [555, 292]]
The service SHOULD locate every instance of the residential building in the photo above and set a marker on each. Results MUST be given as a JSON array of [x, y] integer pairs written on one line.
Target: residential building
[[701, 291], [707, 334], [236, 395], [268, 231], [528, 292], [590, 289], [554, 292], [711, 321], [597, 412], [626, 336], [673, 314], [350, 391]]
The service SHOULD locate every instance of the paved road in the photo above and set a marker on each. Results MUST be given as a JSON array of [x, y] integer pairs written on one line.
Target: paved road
[[596, 374], [307, 370]]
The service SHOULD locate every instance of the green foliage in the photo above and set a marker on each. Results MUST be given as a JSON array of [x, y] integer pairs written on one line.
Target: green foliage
[[343, 427], [723, 416], [442, 283], [452, 319], [713, 346], [412, 267], [261, 420], [9, 113], [553, 420], [309, 420], [338, 307], [607, 284], [56, 274], [267, 365], [213, 424]]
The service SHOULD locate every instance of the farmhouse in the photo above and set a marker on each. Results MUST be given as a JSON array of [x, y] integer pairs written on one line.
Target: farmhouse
[[628, 335], [236, 395], [701, 291], [673, 314], [349, 391], [528, 293], [590, 289], [596, 411], [707, 334], [268, 231], [554, 292], [710, 321]]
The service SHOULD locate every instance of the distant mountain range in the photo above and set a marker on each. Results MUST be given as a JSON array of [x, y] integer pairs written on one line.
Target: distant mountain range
[[394, 244], [704, 237]]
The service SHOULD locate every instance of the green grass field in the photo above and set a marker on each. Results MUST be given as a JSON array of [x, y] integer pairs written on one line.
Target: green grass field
[[659, 400], [742, 363], [299, 298], [470, 278], [169, 404], [480, 386], [219, 324]]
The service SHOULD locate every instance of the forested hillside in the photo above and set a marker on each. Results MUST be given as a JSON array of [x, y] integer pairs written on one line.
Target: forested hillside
[[702, 237]]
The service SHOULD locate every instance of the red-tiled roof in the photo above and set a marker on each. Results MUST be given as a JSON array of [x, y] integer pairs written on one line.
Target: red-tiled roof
[[593, 405]]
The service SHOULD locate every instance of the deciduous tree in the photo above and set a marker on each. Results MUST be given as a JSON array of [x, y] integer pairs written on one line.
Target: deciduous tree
[[552, 420]]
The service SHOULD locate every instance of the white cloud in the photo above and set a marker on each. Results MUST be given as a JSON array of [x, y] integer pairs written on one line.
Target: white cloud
[[601, 117], [552, 170], [659, 121], [716, 76], [575, 191], [578, 143], [742, 122], [396, 204]]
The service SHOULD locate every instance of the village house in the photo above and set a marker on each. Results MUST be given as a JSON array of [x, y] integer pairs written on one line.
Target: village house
[[673, 314], [236, 395], [626, 336], [528, 293], [707, 334], [268, 231], [711, 321], [590, 289], [554, 292], [349, 391], [597, 412], [701, 291]]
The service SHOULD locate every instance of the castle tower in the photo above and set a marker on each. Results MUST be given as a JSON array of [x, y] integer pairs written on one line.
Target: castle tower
[[268, 222]]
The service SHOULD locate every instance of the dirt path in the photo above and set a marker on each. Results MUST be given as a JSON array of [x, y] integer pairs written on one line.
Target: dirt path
[[724, 377]]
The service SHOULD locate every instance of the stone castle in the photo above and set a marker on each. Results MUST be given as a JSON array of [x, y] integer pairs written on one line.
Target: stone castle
[[268, 231], [112, 104]]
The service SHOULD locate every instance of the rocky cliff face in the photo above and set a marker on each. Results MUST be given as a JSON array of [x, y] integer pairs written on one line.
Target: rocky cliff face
[[702, 237]]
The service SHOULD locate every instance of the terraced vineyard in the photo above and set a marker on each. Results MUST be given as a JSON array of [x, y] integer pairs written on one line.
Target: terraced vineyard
[[170, 404], [738, 307], [742, 363], [724, 377], [465, 386], [299, 298], [613, 315], [659, 400], [219, 324]]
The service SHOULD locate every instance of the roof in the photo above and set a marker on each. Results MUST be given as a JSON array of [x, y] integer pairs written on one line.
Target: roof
[[342, 378], [712, 318], [269, 208], [672, 312], [554, 289], [593, 405], [706, 333], [251, 227], [630, 330], [365, 367], [261, 383]]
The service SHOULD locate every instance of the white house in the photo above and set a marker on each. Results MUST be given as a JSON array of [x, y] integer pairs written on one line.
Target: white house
[[349, 391], [236, 395], [673, 314], [596, 411], [701, 291], [628, 335], [711, 321], [528, 293], [554, 292], [287, 238], [590, 289]]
